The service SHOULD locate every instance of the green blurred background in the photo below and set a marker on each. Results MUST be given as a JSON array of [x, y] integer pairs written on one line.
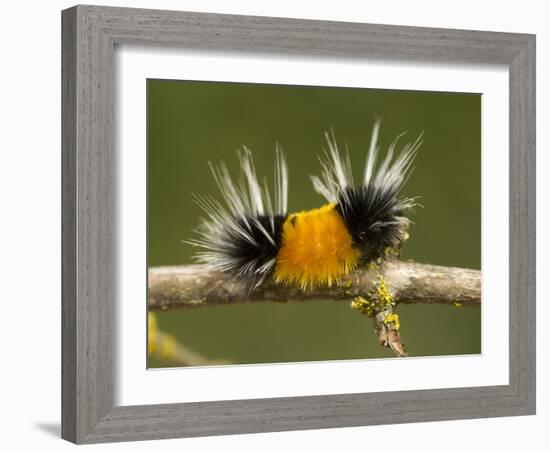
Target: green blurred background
[[190, 123]]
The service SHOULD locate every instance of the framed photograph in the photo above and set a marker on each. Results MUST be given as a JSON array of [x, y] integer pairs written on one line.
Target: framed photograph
[[278, 224]]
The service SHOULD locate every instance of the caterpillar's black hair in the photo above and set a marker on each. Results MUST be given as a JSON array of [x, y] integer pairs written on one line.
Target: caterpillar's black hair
[[262, 248], [374, 213], [373, 218], [243, 235]]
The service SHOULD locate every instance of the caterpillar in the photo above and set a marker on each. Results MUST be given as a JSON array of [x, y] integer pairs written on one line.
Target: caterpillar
[[250, 234]]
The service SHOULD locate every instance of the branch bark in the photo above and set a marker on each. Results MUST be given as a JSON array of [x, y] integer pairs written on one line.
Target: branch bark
[[409, 282]]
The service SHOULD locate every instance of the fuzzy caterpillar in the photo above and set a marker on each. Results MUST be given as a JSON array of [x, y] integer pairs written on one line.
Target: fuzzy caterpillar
[[251, 235]]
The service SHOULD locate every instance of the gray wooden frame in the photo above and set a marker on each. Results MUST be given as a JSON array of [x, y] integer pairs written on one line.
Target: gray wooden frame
[[90, 34]]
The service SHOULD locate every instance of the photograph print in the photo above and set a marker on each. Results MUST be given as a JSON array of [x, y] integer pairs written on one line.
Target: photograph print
[[290, 224]]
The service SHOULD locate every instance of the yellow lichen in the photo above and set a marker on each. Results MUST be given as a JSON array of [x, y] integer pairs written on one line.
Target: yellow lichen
[[393, 320], [372, 265], [380, 300], [385, 297], [391, 251], [364, 306]]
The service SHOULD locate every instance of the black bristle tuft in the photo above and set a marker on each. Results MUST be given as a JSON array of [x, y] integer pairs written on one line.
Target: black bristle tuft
[[373, 210], [242, 233], [260, 250], [374, 217]]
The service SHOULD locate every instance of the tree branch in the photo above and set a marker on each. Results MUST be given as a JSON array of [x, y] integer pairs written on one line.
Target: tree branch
[[409, 282]]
